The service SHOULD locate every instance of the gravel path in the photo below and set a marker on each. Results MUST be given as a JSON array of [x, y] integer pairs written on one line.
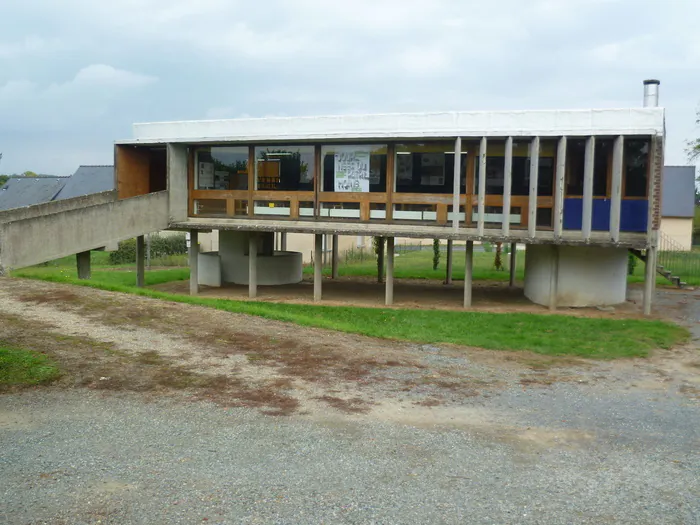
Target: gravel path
[[501, 443]]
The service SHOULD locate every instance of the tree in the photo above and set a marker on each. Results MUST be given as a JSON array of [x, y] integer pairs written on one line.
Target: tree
[[694, 145], [28, 174], [436, 253], [4, 179]]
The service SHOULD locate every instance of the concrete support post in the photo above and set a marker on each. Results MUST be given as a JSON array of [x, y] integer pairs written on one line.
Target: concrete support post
[[140, 261], [82, 260], [448, 265], [334, 258], [534, 178], [318, 266], [554, 278], [559, 182], [389, 285], [283, 241], [468, 266], [194, 262], [588, 168], [456, 183], [252, 265], [513, 263], [507, 178], [649, 279], [481, 197], [616, 188]]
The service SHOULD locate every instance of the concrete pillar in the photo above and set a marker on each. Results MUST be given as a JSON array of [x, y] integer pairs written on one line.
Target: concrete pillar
[[554, 278], [252, 265], [456, 183], [380, 260], [448, 269], [318, 266], [468, 266], [194, 262], [649, 279], [334, 258], [140, 261], [513, 263], [389, 285], [283, 241], [82, 260]]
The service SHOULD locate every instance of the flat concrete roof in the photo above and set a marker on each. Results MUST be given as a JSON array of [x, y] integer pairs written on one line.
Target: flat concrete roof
[[544, 123]]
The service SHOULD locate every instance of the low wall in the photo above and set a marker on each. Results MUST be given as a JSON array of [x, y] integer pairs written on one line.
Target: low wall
[[588, 276]]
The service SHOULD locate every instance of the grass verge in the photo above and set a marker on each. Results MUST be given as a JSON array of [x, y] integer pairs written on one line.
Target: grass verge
[[555, 335], [19, 367]]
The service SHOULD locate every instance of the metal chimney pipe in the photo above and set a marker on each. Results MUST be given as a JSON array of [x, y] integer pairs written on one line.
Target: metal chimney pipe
[[651, 93]]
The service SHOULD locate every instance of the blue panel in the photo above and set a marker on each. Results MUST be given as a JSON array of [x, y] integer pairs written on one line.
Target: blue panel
[[634, 215], [573, 214], [601, 215]]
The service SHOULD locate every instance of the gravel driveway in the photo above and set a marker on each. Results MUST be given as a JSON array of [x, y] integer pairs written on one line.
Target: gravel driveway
[[396, 434]]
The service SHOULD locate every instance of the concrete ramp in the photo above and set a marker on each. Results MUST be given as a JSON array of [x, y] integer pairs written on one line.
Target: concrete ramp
[[36, 234]]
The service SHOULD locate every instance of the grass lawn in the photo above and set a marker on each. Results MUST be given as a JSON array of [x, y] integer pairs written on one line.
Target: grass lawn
[[23, 367], [544, 334]]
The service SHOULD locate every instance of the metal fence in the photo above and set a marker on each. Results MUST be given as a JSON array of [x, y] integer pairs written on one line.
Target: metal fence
[[676, 258]]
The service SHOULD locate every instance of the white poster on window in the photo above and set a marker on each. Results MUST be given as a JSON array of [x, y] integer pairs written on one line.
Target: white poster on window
[[352, 170], [404, 167], [206, 175]]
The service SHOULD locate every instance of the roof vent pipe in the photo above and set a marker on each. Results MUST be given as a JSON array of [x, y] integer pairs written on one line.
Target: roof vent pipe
[[651, 93]]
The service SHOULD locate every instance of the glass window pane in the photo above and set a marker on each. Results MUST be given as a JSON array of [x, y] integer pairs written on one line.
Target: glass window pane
[[636, 167], [222, 168], [427, 167], [284, 168], [375, 169]]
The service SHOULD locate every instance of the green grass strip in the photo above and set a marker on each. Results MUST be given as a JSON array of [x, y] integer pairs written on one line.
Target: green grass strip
[[23, 367]]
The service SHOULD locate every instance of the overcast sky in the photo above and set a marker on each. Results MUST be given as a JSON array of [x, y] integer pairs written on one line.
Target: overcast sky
[[75, 74]]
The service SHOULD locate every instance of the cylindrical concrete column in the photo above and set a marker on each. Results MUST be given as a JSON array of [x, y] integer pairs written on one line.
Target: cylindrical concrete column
[[140, 261], [283, 241], [513, 263], [252, 265], [334, 258], [194, 262], [389, 285], [649, 280], [318, 266], [468, 267], [448, 265]]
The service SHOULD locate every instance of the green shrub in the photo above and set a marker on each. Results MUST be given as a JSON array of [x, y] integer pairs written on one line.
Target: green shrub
[[631, 263], [162, 246], [436, 253]]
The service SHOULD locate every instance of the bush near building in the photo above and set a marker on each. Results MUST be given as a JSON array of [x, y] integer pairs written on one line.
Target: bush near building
[[162, 246]]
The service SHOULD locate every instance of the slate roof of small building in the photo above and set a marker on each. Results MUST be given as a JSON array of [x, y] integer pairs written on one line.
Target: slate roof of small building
[[678, 191], [19, 192], [87, 180]]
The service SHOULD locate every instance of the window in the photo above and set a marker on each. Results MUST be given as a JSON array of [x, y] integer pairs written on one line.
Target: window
[[576, 161], [636, 167], [284, 168], [222, 168], [520, 175], [367, 161], [427, 168]]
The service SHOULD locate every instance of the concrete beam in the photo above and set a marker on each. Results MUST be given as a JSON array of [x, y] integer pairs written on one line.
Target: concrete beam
[[468, 269], [513, 263], [334, 258], [456, 183], [140, 261], [588, 169], [616, 188], [534, 177], [82, 260], [481, 198], [389, 285], [558, 212], [318, 266], [252, 265], [194, 262], [448, 265], [507, 183]]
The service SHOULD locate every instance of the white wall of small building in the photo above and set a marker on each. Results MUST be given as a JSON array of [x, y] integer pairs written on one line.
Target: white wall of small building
[[679, 229]]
